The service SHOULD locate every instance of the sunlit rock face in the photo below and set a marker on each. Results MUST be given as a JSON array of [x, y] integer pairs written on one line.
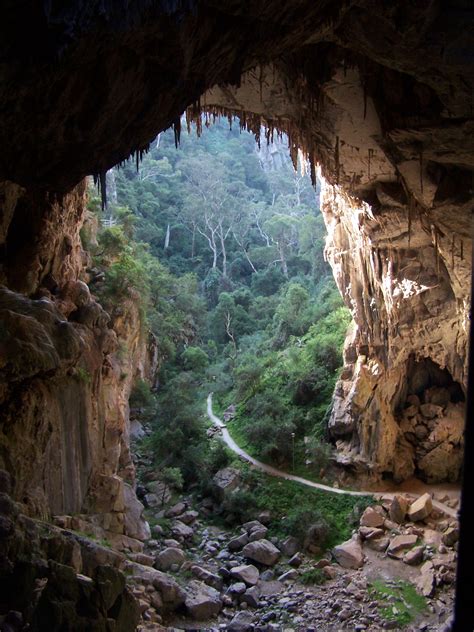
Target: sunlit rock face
[[405, 275], [65, 381]]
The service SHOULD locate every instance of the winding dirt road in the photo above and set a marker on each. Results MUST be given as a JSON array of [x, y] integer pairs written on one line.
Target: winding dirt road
[[268, 469]]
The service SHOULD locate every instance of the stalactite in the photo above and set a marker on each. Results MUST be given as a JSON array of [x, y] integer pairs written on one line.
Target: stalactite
[[177, 131], [100, 180], [370, 153], [410, 211], [420, 155], [336, 159]]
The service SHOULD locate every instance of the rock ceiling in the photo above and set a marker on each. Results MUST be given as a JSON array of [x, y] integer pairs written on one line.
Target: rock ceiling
[[376, 92]]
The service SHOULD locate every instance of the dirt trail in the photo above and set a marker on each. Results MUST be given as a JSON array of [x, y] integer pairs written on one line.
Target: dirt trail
[[268, 469]]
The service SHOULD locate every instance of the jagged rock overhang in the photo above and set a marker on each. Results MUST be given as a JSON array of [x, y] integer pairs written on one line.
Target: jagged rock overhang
[[136, 68]]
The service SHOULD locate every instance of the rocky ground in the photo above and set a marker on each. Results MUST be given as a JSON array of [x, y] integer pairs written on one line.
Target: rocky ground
[[396, 572], [243, 579]]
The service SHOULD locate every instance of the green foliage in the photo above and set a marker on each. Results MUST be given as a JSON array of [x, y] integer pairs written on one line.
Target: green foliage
[[194, 359], [313, 577], [141, 395], [83, 375], [295, 509], [172, 476], [398, 601]]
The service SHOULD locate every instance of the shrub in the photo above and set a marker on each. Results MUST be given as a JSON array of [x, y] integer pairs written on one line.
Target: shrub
[[314, 576]]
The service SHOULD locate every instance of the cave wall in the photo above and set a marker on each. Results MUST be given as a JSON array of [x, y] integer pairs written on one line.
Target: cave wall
[[405, 275], [65, 379], [379, 94]]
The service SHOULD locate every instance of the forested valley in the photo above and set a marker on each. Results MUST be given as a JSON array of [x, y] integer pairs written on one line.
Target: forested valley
[[222, 245]]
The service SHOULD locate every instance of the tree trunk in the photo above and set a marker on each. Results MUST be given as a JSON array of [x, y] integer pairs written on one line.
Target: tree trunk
[[224, 253], [284, 266]]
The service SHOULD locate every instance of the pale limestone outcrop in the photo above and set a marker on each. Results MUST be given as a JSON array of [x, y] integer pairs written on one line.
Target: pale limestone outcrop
[[404, 273]]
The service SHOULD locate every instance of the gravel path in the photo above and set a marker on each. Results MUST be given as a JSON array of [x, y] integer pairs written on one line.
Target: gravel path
[[272, 471]]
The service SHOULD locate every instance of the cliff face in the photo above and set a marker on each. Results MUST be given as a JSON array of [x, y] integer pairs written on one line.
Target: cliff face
[[405, 275], [65, 378]]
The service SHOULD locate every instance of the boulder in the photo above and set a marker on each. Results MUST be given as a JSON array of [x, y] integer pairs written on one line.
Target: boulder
[[398, 509], [415, 556], [369, 533], [181, 530], [202, 601], [430, 411], [176, 510], [258, 534], [170, 591], [238, 588], [425, 583], [400, 543], [169, 556], [379, 544], [265, 517], [289, 546], [188, 517], [225, 481], [371, 518], [248, 574], [242, 622], [135, 524], [349, 554], [207, 577], [251, 596], [237, 543], [450, 536], [261, 551], [160, 490], [421, 508]]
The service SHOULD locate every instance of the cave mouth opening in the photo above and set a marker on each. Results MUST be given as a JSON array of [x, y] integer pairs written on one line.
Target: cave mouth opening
[[432, 422]]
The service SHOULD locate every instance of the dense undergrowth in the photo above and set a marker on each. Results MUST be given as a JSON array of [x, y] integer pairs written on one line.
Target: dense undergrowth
[[221, 248]]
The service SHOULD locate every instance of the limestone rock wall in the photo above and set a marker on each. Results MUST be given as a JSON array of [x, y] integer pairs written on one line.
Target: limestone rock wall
[[67, 369], [404, 272]]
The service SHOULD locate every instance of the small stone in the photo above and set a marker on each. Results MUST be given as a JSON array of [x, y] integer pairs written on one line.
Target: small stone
[[291, 575], [296, 560], [237, 589]]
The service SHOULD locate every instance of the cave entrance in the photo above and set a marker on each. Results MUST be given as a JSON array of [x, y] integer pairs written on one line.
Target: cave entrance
[[432, 422]]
